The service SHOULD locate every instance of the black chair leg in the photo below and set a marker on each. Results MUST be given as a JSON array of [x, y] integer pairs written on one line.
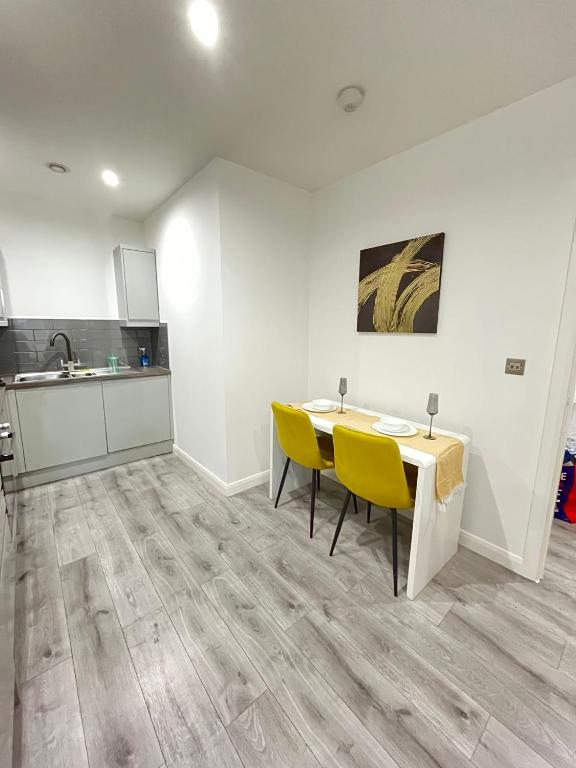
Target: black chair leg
[[368, 511], [313, 502], [340, 521], [355, 505], [284, 473], [395, 550], [318, 478]]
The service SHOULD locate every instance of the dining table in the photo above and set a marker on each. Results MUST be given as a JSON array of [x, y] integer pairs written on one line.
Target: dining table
[[435, 522]]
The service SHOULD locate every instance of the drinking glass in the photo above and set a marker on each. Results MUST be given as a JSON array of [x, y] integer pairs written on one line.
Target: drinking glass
[[431, 410], [342, 390]]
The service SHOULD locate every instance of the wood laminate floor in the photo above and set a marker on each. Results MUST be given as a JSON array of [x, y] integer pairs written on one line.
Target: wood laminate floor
[[160, 624]]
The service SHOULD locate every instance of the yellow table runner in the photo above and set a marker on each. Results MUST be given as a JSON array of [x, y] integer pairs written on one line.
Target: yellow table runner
[[448, 451]]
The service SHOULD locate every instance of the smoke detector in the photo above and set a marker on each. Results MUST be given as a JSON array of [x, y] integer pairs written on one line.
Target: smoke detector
[[350, 98]]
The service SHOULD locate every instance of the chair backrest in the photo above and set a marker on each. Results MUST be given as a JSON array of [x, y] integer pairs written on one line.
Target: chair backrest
[[370, 466], [296, 436]]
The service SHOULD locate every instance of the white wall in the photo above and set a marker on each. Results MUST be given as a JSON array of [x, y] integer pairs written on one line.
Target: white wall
[[264, 242], [233, 288], [186, 233], [503, 188], [56, 261]]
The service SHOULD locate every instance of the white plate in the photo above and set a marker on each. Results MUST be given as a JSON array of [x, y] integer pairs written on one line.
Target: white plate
[[393, 424], [379, 427], [312, 408]]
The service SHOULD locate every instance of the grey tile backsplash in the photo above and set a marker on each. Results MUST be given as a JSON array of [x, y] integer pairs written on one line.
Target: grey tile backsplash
[[24, 344]]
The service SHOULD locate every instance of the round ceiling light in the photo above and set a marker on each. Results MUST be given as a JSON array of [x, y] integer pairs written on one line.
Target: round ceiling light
[[350, 98], [110, 178], [204, 22], [57, 168]]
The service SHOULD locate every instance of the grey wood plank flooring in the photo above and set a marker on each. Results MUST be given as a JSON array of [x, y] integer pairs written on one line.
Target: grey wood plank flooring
[[266, 738], [228, 675], [505, 651], [167, 572], [547, 602], [7, 618], [446, 704], [129, 583], [117, 726], [321, 717], [200, 557], [257, 530], [499, 748], [41, 632], [188, 728], [411, 739], [274, 592], [212, 631], [52, 733], [71, 532], [568, 664], [550, 735], [34, 525], [72, 535]]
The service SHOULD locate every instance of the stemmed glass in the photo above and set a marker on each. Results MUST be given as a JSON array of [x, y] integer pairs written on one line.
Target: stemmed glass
[[342, 390], [431, 410]]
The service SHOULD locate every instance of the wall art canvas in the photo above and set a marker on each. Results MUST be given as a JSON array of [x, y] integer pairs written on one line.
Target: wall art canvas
[[399, 286]]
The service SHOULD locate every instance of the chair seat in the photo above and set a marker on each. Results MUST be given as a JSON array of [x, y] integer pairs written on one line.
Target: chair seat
[[326, 450]]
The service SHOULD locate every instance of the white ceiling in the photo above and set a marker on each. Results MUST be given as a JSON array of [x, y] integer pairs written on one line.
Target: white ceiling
[[124, 84]]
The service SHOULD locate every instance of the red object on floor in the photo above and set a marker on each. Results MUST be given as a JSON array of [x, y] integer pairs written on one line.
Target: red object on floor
[[566, 499]]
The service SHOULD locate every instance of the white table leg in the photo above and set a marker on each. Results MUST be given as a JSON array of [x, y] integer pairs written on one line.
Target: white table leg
[[435, 531], [297, 478]]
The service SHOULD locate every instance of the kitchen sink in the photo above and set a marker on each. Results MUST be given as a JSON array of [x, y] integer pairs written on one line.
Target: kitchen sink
[[22, 378], [43, 376]]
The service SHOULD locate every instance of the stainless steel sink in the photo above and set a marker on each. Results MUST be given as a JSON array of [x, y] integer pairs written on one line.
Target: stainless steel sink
[[21, 378], [43, 376]]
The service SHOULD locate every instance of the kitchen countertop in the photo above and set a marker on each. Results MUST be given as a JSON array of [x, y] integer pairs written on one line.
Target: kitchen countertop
[[123, 373]]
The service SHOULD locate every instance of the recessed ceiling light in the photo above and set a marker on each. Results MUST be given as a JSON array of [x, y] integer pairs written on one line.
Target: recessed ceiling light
[[57, 168], [110, 178], [204, 22]]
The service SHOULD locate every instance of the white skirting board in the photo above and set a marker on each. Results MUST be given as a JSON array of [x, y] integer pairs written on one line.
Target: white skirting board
[[227, 489], [493, 552]]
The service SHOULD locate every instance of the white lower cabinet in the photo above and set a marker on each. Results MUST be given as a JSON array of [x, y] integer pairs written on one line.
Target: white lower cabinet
[[61, 424], [137, 412]]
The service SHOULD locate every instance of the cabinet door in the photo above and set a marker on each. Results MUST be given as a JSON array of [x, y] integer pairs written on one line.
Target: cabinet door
[[61, 424], [137, 412], [141, 286]]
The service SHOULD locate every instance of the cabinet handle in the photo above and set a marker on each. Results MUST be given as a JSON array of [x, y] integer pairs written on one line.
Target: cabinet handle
[[5, 435], [5, 427], [6, 457]]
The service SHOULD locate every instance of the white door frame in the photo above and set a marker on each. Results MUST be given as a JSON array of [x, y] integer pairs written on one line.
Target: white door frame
[[555, 427]]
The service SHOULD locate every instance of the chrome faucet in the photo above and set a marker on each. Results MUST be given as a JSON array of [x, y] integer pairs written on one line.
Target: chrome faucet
[[69, 354]]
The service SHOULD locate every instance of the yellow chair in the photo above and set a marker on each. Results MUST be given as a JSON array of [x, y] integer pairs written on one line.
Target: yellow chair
[[370, 466], [299, 442]]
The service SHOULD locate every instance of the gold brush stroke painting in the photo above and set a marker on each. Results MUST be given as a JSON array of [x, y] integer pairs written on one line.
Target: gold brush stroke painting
[[402, 286]]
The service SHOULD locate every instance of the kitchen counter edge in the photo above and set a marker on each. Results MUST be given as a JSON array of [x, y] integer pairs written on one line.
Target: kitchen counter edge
[[132, 373]]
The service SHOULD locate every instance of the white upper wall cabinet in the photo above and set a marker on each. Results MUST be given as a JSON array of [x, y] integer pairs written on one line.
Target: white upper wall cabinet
[[136, 286]]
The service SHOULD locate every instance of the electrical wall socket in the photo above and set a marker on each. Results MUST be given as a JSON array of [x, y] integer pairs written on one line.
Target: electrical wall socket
[[515, 366]]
